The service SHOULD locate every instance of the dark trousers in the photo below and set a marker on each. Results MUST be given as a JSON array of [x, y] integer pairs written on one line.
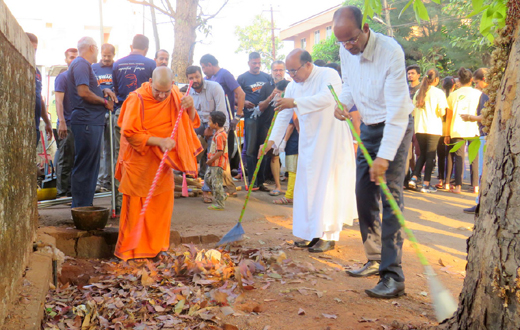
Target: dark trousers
[[87, 145], [383, 241], [458, 157], [253, 142], [234, 160], [203, 156], [65, 164], [428, 147], [442, 158]]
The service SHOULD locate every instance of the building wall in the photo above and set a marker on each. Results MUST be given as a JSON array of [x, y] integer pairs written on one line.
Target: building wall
[[309, 36], [18, 215]]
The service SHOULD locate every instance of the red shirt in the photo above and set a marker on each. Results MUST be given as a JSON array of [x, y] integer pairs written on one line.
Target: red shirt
[[219, 143]]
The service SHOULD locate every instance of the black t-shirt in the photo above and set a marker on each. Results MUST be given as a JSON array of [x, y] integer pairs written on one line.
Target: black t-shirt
[[268, 114], [80, 73], [414, 90], [252, 84]]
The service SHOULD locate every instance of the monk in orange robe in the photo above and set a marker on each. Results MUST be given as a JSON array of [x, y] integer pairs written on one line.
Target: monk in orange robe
[[147, 119]]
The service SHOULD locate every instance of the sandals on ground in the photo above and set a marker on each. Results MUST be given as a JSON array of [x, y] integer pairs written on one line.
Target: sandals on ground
[[275, 192], [282, 201]]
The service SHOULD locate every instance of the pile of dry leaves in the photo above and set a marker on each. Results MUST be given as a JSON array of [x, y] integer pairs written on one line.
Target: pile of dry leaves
[[187, 289]]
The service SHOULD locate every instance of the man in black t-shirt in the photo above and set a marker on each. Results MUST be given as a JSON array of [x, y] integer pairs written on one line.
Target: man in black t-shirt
[[252, 82], [266, 106], [414, 74]]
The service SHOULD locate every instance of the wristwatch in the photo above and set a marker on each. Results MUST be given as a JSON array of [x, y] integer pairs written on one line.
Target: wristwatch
[[295, 104]]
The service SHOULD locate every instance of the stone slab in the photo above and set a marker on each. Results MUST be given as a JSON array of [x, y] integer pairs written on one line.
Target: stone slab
[[27, 312], [190, 239], [206, 239], [64, 233], [93, 247]]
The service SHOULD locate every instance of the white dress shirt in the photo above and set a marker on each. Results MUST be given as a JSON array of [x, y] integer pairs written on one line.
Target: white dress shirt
[[375, 81]]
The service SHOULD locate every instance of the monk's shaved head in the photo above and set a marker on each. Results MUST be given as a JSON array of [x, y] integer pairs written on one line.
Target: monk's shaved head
[[161, 82], [348, 30], [162, 76]]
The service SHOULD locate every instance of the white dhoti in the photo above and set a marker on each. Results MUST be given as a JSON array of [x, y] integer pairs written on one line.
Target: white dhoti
[[324, 197]]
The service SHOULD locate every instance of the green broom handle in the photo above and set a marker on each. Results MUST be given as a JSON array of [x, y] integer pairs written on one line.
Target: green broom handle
[[391, 200], [252, 184]]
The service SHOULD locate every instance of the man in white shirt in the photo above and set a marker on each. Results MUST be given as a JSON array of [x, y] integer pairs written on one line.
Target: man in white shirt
[[374, 79]]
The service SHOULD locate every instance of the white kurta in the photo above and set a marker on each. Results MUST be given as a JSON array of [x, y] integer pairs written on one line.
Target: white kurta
[[324, 192]]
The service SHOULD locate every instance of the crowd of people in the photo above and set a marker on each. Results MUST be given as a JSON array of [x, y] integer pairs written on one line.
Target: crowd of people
[[327, 183], [443, 118]]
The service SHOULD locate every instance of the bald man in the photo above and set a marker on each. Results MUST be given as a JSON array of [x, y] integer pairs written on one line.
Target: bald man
[[89, 105], [324, 196], [374, 77], [147, 119]]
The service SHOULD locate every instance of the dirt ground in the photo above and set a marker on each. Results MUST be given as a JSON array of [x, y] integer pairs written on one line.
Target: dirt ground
[[436, 219]]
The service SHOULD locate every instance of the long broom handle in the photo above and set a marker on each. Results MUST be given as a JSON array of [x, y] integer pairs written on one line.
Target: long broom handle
[[163, 160], [112, 182], [391, 200], [244, 177], [252, 184]]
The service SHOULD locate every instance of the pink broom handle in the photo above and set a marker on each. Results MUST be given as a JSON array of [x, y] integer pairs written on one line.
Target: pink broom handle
[[163, 160]]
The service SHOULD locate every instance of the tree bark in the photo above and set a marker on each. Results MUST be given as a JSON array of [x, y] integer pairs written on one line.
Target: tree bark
[[490, 298], [185, 37]]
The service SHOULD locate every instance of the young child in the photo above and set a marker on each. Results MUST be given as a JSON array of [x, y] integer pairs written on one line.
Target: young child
[[217, 160]]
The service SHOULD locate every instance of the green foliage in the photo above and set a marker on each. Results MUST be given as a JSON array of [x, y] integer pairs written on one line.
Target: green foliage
[[444, 38], [257, 38], [473, 147], [326, 50]]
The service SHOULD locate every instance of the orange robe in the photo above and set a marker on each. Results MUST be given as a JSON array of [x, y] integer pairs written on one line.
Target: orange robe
[[141, 118]]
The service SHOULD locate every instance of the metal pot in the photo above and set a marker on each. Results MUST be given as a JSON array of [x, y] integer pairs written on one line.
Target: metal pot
[[90, 217]]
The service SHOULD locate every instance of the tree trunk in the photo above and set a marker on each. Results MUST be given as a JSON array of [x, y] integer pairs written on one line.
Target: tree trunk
[[185, 36], [490, 298]]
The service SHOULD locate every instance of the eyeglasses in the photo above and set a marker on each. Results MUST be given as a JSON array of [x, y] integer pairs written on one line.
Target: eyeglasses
[[349, 42], [293, 72]]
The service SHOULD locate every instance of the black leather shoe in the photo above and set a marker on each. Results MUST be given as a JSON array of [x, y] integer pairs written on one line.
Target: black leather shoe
[[369, 269], [306, 244], [387, 288], [323, 246]]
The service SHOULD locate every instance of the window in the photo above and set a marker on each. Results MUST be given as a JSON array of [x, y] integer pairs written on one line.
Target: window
[[304, 43], [328, 31], [316, 37]]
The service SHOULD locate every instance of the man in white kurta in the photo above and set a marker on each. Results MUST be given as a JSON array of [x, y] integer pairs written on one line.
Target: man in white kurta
[[324, 197]]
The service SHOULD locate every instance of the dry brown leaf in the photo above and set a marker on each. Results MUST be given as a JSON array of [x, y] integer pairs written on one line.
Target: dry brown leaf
[[441, 263], [146, 280], [230, 327]]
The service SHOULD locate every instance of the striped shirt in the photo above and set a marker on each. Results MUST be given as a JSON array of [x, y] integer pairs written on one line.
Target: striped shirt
[[375, 81]]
